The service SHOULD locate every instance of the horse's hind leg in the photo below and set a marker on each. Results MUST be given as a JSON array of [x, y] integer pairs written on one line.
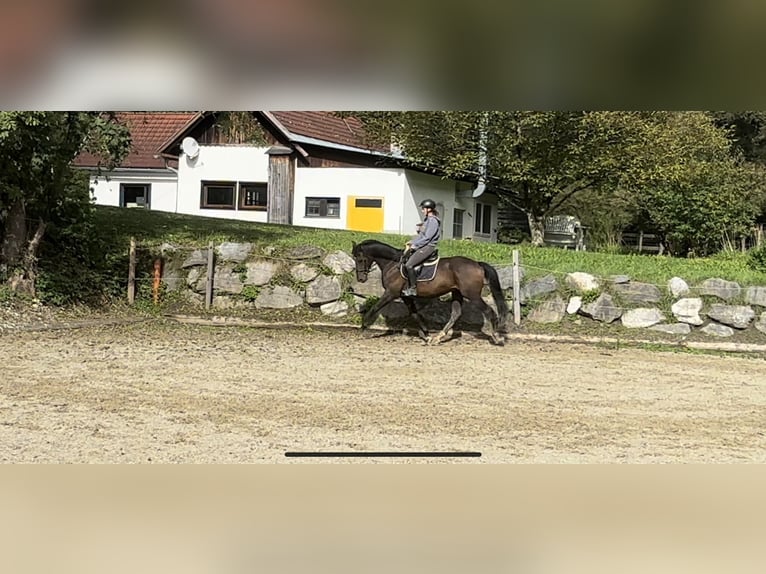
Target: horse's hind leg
[[489, 313], [422, 329], [457, 310]]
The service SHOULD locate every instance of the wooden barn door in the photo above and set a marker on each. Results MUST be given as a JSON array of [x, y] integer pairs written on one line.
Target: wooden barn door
[[279, 204]]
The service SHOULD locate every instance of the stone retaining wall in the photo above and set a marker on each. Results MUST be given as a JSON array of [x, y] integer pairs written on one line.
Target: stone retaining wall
[[248, 277]]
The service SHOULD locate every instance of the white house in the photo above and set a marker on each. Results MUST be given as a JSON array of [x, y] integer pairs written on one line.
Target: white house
[[144, 179], [315, 166]]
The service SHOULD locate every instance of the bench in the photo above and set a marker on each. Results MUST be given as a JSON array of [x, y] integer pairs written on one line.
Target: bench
[[564, 231], [641, 242]]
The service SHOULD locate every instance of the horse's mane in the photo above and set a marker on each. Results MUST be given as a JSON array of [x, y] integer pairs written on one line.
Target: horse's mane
[[377, 248]]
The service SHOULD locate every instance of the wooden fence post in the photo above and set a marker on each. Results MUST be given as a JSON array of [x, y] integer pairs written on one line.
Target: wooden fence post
[[210, 273], [132, 271], [516, 288]]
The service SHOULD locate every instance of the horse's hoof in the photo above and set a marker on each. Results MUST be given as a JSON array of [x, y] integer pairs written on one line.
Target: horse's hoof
[[498, 339], [435, 340]]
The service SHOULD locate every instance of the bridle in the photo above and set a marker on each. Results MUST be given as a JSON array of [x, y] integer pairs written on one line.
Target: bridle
[[363, 265]]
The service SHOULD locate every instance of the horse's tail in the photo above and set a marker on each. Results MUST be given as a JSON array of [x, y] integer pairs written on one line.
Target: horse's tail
[[497, 294]]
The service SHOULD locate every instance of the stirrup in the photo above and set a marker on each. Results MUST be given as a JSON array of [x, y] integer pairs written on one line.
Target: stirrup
[[409, 292]]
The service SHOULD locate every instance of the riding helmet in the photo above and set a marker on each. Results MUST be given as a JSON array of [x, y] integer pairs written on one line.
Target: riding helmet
[[429, 203]]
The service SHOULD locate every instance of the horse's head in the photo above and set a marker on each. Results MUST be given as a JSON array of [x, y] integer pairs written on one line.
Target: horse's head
[[363, 262]]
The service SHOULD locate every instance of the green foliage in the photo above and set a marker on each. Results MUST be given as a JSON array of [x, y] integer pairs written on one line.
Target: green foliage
[[590, 296], [756, 259], [250, 293], [40, 187]]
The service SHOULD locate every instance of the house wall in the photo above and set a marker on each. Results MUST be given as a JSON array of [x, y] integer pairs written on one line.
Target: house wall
[[402, 190], [342, 182], [449, 195], [221, 163], [105, 189]]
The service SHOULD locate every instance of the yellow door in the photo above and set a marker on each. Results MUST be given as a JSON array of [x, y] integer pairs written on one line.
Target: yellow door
[[365, 214]]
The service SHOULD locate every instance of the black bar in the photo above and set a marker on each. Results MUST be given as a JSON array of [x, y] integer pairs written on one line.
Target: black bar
[[353, 454]]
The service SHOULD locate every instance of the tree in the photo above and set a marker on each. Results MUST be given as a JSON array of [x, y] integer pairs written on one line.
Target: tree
[[747, 130], [37, 175], [536, 160], [541, 161]]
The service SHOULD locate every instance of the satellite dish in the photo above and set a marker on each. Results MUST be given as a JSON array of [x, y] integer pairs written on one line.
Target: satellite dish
[[190, 147]]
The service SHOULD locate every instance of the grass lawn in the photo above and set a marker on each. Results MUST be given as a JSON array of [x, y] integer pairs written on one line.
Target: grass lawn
[[151, 228]]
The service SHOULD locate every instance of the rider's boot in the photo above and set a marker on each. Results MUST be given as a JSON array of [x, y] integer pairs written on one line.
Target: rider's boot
[[412, 279]]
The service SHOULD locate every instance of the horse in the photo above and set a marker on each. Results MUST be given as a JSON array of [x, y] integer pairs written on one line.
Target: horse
[[461, 276]]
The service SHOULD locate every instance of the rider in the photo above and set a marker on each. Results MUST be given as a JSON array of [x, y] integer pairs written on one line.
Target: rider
[[423, 245]]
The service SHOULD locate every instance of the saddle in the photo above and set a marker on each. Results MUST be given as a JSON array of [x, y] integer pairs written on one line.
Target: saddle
[[424, 271]]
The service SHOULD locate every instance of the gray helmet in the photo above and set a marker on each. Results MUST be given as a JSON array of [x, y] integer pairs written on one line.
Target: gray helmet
[[429, 203]]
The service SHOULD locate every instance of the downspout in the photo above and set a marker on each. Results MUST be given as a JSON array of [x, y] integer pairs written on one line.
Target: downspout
[[482, 185]]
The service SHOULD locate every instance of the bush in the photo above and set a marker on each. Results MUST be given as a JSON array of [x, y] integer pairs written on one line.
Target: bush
[[756, 259]]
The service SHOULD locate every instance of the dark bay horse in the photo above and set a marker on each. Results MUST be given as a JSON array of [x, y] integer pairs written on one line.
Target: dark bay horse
[[464, 278]]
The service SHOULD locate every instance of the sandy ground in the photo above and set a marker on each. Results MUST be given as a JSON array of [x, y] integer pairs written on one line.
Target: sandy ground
[[173, 393]]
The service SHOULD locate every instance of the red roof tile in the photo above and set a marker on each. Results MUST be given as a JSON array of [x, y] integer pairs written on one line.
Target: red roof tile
[[148, 130], [327, 127]]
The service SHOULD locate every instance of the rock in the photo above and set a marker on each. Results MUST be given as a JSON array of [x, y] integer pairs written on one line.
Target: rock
[[335, 309], [505, 275], [260, 272], [340, 262], [603, 309], [323, 289], [305, 252], [641, 318], [168, 248], [226, 280], [303, 273], [581, 282], [372, 287], [717, 330], [574, 305], [687, 310], [737, 316], [760, 324], [236, 252], [756, 296], [673, 328], [618, 279], [538, 287], [551, 311], [172, 274], [678, 287], [638, 293], [279, 297], [358, 302], [197, 257], [726, 290], [196, 279]]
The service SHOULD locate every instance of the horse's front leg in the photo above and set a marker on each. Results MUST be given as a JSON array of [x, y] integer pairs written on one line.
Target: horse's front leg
[[372, 313], [422, 328]]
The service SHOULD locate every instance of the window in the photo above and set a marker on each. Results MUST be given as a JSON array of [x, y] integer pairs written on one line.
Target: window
[[252, 195], [362, 202], [134, 195], [457, 223], [322, 207], [218, 195], [233, 195], [483, 219]]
